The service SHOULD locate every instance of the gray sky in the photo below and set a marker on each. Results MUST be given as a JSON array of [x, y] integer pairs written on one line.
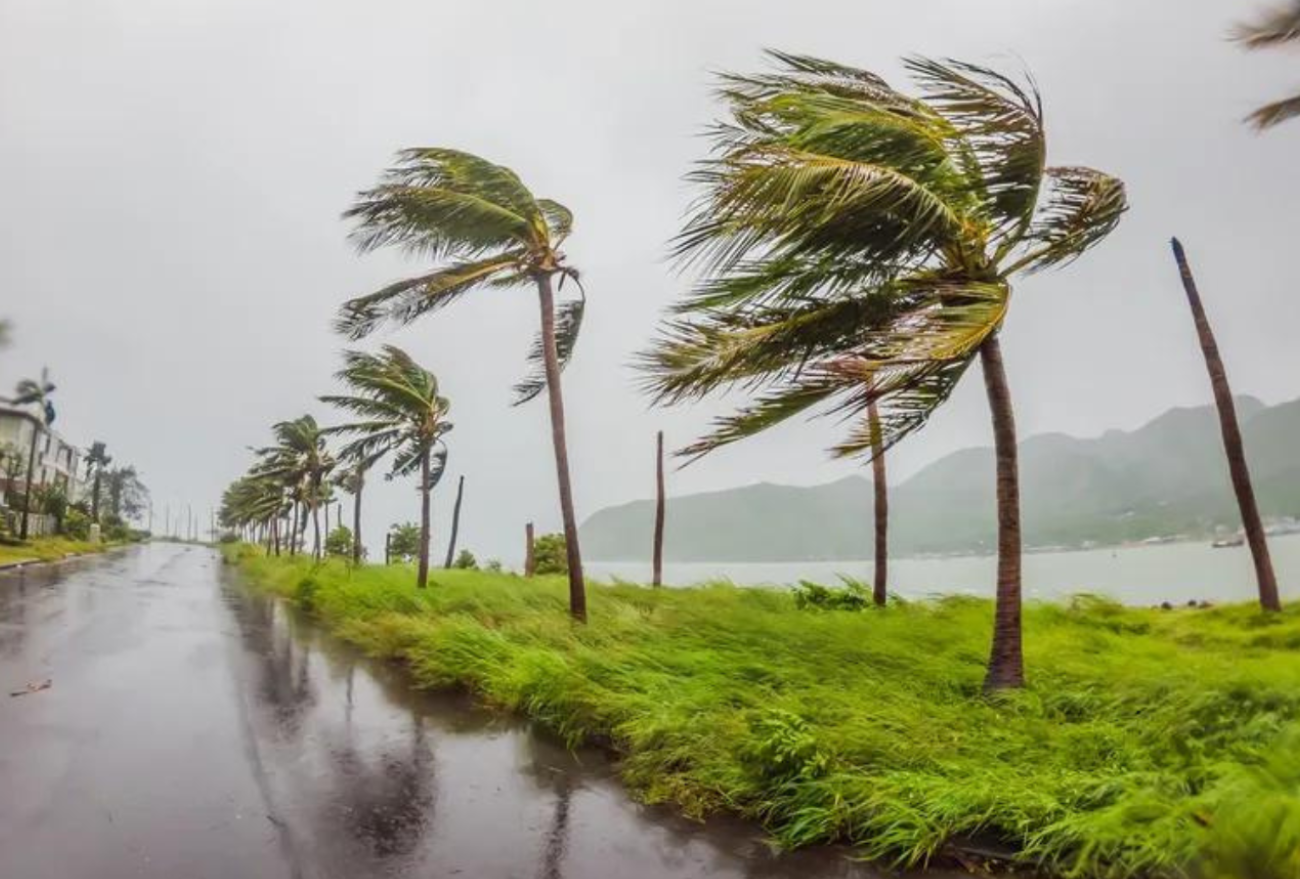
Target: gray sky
[[172, 171]]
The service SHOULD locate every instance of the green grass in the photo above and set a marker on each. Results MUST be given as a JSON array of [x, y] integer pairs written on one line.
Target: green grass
[[1149, 743], [45, 549]]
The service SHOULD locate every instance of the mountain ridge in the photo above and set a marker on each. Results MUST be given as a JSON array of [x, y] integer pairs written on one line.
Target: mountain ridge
[[1164, 479]]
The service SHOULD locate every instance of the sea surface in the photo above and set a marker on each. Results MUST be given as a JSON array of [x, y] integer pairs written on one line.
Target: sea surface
[[1137, 575]]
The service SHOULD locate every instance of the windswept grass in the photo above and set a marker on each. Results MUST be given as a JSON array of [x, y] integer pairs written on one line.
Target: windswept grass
[[1150, 743]]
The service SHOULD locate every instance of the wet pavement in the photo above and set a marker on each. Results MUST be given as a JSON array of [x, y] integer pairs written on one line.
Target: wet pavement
[[193, 731]]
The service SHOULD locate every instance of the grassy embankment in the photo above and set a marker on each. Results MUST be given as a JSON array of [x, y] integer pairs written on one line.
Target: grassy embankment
[[1150, 743], [47, 549]]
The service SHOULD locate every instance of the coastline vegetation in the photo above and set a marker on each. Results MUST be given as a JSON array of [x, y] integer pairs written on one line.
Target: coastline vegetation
[[1149, 742]]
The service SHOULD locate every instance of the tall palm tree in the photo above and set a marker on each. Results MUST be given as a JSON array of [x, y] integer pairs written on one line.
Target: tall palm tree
[[1278, 27], [400, 412], [300, 461], [486, 230], [858, 246], [96, 461], [1233, 446], [880, 517], [34, 392]]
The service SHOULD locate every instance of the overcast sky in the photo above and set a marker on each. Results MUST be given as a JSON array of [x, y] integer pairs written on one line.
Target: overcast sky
[[172, 173]]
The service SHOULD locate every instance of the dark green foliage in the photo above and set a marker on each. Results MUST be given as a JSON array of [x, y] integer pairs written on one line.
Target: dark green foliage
[[549, 553], [404, 542], [465, 561], [853, 595], [76, 525], [1148, 744], [339, 541]]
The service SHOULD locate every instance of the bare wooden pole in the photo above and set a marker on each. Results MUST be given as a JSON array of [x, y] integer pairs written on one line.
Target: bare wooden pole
[[530, 561], [658, 575]]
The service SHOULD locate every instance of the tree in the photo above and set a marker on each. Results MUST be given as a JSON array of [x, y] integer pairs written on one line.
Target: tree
[[339, 542], [1278, 27], [465, 561], [300, 462], [879, 585], [96, 461], [657, 563], [255, 500], [34, 392], [550, 555], [127, 495], [857, 247], [404, 541], [487, 230], [11, 467], [402, 413], [1232, 443], [352, 479]]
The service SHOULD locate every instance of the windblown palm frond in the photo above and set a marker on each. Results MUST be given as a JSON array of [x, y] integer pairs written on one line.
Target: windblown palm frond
[[568, 323], [36, 392], [1279, 26], [856, 243]]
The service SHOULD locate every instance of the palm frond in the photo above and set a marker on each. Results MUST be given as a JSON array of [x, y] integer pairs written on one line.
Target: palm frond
[[1277, 26], [1275, 113], [1000, 124], [446, 203], [402, 302], [568, 323], [559, 220], [1082, 206]]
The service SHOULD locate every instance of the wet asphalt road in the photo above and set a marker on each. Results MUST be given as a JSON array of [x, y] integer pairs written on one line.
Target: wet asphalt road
[[193, 731]]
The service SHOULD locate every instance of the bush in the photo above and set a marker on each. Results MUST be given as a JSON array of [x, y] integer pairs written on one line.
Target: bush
[[493, 566], [853, 595], [339, 541], [550, 555], [466, 561], [76, 525], [228, 537]]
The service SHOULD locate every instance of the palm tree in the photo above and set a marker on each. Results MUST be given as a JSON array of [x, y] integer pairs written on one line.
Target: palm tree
[[858, 246], [1278, 27], [487, 230], [96, 461], [455, 523], [300, 462], [352, 479], [34, 392], [400, 412], [1232, 442]]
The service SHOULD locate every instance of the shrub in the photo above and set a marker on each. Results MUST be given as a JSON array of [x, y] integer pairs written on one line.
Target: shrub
[[465, 561], [76, 525], [550, 555], [339, 541], [853, 595]]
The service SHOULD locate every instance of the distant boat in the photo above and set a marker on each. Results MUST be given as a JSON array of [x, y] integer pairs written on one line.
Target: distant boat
[[1228, 542]]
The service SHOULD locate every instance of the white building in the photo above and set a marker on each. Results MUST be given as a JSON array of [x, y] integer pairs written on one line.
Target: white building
[[58, 462]]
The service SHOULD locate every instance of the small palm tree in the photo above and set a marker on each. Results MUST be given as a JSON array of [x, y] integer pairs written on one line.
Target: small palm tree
[[34, 392], [299, 461], [1277, 28], [858, 246], [401, 413], [352, 479], [488, 231]]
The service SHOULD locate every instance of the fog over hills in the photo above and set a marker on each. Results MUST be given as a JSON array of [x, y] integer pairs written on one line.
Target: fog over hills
[[1167, 478]]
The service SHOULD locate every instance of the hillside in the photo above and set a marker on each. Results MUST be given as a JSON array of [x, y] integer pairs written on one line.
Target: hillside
[[1166, 478]]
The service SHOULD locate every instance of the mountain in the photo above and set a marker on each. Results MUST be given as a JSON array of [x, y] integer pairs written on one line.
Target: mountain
[[1167, 478]]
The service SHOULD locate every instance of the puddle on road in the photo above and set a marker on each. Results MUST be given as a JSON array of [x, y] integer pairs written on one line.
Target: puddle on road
[[367, 777]]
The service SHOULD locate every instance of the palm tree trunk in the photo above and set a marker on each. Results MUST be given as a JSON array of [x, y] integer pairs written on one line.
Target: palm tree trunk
[[879, 586], [455, 523], [315, 527], [1006, 662], [1232, 442], [356, 519], [658, 575], [422, 577], [530, 559], [295, 514], [94, 500], [31, 473], [577, 587]]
